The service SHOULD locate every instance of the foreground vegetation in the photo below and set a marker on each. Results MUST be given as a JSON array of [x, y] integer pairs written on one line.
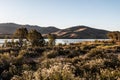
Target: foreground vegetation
[[98, 60], [31, 58]]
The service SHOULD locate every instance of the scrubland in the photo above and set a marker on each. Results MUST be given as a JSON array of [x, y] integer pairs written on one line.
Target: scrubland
[[98, 60]]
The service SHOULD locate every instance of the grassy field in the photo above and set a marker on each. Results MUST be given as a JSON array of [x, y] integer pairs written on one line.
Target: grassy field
[[98, 60]]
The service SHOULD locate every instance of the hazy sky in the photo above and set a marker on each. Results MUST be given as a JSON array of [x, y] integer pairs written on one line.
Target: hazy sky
[[102, 14]]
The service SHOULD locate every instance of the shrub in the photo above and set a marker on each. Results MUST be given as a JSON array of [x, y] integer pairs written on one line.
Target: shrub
[[52, 54], [95, 53], [15, 77], [73, 53], [109, 74], [55, 72]]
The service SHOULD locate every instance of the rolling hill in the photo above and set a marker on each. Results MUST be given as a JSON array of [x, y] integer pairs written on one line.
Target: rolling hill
[[82, 32]]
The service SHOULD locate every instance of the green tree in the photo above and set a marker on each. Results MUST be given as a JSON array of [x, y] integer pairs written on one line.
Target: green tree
[[110, 35], [51, 39], [35, 38], [21, 33], [114, 35]]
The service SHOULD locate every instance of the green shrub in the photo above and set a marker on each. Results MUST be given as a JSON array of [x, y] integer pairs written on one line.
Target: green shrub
[[52, 54], [95, 53]]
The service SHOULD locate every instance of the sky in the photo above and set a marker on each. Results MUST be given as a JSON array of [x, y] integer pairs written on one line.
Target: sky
[[101, 14]]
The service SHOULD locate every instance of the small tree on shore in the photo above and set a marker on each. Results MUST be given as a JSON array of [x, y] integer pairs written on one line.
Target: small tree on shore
[[35, 38], [51, 39], [21, 33], [114, 35]]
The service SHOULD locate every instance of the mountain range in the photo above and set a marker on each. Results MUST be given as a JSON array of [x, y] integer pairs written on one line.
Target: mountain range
[[76, 32]]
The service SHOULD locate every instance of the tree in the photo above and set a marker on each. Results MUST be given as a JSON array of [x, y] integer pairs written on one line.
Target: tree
[[114, 35], [21, 33], [51, 39], [35, 38], [110, 35]]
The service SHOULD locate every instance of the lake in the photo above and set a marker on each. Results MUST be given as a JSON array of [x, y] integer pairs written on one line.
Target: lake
[[75, 40], [62, 40]]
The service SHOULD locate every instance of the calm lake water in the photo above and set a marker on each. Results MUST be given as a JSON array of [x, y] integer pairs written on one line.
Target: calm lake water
[[76, 40], [62, 40]]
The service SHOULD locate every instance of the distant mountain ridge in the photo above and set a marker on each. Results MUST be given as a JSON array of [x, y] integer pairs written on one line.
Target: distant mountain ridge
[[78, 32], [9, 28]]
